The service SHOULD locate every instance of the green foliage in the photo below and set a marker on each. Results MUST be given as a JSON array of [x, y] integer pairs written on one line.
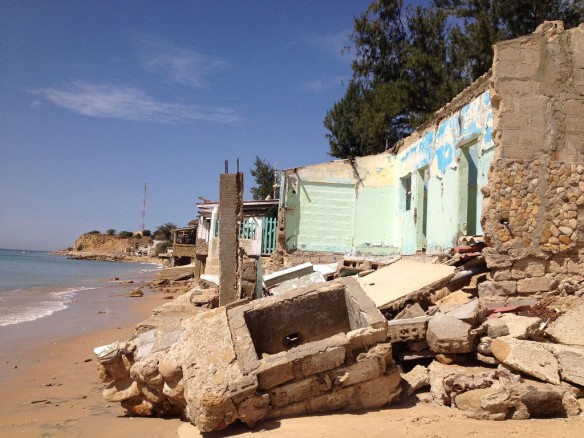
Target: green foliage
[[110, 232], [161, 247], [146, 233], [93, 232], [263, 173], [164, 231], [410, 62], [125, 234]]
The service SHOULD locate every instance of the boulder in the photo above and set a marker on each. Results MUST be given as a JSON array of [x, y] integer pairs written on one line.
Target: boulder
[[447, 334], [136, 293], [518, 400]]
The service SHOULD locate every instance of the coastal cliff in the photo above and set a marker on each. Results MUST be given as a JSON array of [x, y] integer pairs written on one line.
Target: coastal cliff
[[105, 247]]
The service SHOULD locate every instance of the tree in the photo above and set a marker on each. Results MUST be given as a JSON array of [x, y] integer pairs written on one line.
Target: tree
[[410, 63], [146, 233], [164, 231], [111, 232], [263, 173]]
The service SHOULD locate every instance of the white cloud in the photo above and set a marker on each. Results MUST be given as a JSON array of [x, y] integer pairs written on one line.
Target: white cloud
[[130, 103], [335, 43], [176, 64], [321, 85]]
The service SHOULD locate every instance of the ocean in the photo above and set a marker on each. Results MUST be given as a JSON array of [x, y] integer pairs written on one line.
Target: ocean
[[36, 284]]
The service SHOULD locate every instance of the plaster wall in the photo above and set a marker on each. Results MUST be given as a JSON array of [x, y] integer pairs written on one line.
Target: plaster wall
[[363, 205]]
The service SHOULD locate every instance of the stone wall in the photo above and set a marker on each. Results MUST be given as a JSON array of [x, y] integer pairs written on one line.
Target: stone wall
[[533, 214]]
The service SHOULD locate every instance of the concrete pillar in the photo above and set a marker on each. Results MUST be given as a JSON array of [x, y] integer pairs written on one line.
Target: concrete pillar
[[230, 216]]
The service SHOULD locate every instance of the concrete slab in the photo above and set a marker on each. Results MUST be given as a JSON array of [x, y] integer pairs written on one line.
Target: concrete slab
[[278, 277], [402, 279]]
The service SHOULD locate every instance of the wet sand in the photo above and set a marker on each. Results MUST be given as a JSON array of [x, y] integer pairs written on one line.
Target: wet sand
[[49, 388]]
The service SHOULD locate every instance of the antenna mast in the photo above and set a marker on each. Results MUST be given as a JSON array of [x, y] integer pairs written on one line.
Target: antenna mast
[[143, 210]]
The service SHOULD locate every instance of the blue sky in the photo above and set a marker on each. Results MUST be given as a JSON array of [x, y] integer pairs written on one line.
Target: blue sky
[[99, 97]]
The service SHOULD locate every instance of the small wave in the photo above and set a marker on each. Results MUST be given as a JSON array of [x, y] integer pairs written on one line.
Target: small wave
[[42, 309]]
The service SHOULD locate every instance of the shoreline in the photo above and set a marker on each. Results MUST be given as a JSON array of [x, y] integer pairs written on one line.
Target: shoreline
[[49, 387]]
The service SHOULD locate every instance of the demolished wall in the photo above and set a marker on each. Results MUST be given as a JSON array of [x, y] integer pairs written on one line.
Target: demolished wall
[[533, 214], [422, 197]]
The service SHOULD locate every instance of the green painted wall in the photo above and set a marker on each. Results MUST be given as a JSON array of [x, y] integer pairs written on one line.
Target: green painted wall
[[374, 220]]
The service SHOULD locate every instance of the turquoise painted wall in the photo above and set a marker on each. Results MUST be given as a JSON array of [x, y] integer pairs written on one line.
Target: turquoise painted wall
[[361, 206], [374, 220]]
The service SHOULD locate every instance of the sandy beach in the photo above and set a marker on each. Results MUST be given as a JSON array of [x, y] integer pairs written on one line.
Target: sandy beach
[[50, 388]]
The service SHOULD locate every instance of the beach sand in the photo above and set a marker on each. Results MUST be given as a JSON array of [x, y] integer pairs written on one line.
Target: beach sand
[[49, 388]]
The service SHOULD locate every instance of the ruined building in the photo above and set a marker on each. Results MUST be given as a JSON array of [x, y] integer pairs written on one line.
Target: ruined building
[[502, 162]]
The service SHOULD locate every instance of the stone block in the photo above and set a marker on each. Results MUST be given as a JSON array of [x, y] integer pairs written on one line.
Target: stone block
[[446, 334], [534, 285], [368, 368], [377, 393], [295, 392], [275, 371], [405, 330], [366, 337], [529, 357], [332, 357], [254, 409], [527, 268], [333, 401], [471, 312], [488, 289]]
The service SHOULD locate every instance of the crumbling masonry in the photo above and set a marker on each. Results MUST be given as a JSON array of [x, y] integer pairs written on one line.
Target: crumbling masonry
[[533, 213]]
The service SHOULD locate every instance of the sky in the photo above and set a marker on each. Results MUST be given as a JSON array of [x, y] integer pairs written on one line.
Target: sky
[[98, 98]]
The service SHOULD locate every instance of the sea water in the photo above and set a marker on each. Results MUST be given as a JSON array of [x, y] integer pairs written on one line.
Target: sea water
[[36, 284]]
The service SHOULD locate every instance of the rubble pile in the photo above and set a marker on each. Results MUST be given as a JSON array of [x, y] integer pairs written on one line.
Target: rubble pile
[[327, 346]]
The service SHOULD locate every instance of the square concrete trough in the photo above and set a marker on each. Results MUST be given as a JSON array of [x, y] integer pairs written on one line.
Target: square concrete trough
[[304, 332]]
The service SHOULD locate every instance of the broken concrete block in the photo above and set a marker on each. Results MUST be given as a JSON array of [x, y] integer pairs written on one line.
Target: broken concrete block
[[403, 279], [410, 329], [278, 277], [521, 327], [571, 362], [495, 328], [446, 334], [295, 283], [417, 378], [366, 337], [529, 357], [452, 301], [470, 312], [412, 311], [568, 329]]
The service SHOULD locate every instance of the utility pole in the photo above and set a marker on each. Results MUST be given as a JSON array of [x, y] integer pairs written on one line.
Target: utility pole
[[143, 210]]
